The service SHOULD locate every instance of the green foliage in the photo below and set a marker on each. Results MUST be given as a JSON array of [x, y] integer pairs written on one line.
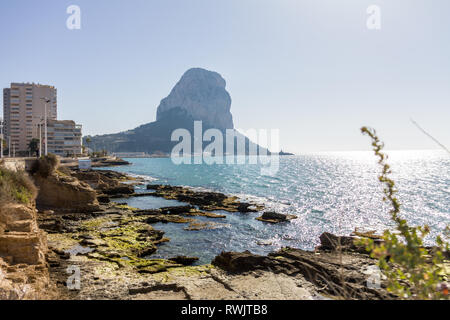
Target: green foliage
[[33, 146], [412, 271], [16, 187], [46, 165], [99, 154]]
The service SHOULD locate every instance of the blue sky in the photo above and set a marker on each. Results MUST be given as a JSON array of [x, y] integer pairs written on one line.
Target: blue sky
[[310, 68]]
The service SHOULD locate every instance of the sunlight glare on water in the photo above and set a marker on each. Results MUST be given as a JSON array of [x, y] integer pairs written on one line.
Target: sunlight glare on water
[[334, 192]]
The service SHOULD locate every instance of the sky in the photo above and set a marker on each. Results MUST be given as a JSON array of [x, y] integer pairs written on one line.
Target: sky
[[310, 68]]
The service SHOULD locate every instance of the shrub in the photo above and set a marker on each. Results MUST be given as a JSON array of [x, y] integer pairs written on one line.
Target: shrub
[[412, 271], [46, 165], [16, 187]]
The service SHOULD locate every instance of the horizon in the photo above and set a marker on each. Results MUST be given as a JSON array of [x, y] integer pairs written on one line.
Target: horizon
[[317, 73]]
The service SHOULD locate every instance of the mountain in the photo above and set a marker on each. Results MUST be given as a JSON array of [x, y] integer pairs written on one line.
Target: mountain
[[199, 95], [202, 95], [282, 153]]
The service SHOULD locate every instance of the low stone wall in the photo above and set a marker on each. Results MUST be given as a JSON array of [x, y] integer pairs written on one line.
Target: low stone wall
[[18, 164]]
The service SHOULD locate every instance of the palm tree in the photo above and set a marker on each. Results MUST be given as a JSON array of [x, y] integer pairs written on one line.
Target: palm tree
[[33, 146]]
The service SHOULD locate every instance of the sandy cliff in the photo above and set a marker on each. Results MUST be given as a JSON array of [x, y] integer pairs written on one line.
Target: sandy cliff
[[65, 193], [23, 246]]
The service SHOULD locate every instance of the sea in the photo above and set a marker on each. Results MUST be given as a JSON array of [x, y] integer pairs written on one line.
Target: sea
[[335, 192]]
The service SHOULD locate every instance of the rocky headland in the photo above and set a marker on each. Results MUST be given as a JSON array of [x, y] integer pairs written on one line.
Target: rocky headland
[[199, 95]]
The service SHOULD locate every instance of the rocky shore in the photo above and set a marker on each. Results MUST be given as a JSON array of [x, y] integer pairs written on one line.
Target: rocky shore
[[110, 246], [113, 246]]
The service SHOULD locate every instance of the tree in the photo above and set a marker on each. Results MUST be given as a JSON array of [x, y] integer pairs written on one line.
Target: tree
[[88, 141], [33, 146]]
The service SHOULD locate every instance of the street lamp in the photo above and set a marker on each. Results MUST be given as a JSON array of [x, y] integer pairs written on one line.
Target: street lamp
[[1, 138], [46, 100], [40, 139]]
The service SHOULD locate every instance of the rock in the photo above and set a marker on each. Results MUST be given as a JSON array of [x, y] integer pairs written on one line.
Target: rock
[[110, 162], [93, 242], [185, 261], [167, 218], [103, 198], [65, 194], [176, 215], [156, 287], [24, 241], [264, 243], [52, 224], [323, 269], [176, 209], [105, 182], [199, 95], [238, 262], [189, 211], [23, 250], [329, 241], [211, 215], [202, 95], [273, 217], [246, 207], [196, 225], [204, 200], [62, 254], [146, 252], [119, 190]]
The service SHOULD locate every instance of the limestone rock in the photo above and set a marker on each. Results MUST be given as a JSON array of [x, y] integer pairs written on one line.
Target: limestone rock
[[201, 93], [23, 249], [65, 193], [105, 181], [20, 237]]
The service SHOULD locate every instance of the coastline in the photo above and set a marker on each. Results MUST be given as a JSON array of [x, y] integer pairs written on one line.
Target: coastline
[[113, 246], [78, 239]]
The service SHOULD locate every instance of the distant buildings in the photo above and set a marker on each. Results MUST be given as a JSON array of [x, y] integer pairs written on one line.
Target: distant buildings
[[23, 110], [25, 106], [64, 138], [130, 154]]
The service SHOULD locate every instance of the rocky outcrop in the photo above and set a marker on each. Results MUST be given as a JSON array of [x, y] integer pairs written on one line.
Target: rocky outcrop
[[105, 182], [340, 275], [201, 93], [274, 217], [205, 200], [185, 261], [331, 242], [21, 241], [108, 162], [65, 193], [23, 248]]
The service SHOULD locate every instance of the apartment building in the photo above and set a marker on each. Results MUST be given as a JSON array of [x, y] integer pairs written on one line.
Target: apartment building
[[24, 109], [64, 138]]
